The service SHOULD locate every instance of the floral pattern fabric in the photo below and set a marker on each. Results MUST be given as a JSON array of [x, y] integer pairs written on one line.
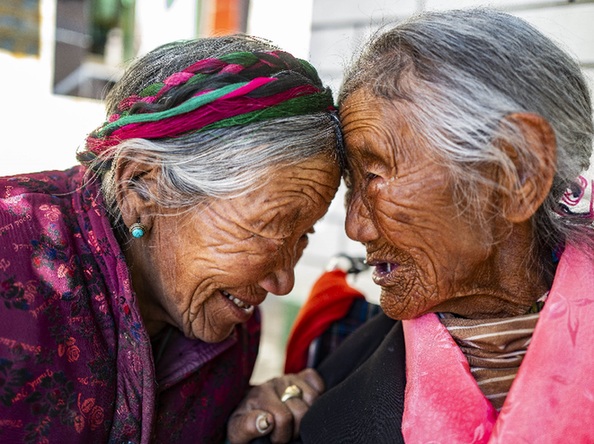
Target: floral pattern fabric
[[76, 363]]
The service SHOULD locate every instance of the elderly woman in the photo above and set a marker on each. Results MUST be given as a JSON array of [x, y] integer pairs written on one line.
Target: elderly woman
[[130, 284], [466, 133]]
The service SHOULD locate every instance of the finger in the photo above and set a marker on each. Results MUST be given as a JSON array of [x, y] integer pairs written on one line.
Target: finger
[[298, 408], [309, 386], [293, 401], [288, 413], [246, 426], [315, 382], [284, 429], [264, 423]]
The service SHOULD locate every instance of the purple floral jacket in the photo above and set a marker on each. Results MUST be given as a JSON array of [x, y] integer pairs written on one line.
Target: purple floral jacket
[[76, 364]]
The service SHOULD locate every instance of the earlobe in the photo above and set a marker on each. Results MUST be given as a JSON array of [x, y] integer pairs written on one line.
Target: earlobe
[[133, 178], [535, 172]]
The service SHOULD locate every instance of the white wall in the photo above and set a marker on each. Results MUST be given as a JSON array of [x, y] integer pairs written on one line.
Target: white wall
[[157, 24], [285, 22], [39, 130]]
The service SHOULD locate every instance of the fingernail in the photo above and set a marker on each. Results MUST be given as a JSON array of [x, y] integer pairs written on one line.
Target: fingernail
[[262, 423]]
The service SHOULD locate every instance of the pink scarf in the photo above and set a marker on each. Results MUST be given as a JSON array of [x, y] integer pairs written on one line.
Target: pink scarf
[[552, 396]]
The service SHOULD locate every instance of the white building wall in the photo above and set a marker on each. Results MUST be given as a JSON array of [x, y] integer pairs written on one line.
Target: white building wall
[[40, 131]]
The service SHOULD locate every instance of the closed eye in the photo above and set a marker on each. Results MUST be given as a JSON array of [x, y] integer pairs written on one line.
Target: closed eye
[[307, 233]]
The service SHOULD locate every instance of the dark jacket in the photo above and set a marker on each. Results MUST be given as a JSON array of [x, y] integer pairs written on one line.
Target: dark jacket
[[365, 380]]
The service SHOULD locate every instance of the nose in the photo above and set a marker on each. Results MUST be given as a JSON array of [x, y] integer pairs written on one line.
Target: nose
[[359, 225], [279, 282]]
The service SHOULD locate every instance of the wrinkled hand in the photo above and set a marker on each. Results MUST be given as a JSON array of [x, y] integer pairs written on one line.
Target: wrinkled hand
[[263, 407]]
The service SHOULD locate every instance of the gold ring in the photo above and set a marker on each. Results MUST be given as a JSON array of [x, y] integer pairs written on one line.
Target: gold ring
[[291, 391]]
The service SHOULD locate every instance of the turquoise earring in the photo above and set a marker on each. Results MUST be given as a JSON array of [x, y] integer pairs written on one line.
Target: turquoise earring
[[137, 230]]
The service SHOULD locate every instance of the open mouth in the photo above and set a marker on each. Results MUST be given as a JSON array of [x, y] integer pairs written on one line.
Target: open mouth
[[238, 302], [383, 268], [382, 274]]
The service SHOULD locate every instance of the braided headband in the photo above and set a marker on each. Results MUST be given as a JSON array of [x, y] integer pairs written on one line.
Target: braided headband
[[233, 104]]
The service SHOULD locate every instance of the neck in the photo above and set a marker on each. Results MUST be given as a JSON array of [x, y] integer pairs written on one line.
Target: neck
[[150, 312], [506, 284]]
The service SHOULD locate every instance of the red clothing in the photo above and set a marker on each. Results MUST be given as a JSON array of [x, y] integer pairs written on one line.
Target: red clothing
[[76, 363], [329, 300]]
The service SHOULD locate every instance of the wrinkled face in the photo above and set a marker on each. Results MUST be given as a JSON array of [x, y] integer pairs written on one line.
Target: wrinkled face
[[400, 205], [206, 270]]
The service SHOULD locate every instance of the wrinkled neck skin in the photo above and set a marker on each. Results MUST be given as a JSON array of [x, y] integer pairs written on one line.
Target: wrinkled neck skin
[[153, 317], [506, 284]]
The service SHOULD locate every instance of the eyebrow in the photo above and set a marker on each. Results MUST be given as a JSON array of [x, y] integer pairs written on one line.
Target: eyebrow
[[364, 154], [274, 224]]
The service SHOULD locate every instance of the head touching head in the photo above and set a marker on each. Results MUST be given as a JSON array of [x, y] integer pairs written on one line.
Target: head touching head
[[216, 115], [459, 75]]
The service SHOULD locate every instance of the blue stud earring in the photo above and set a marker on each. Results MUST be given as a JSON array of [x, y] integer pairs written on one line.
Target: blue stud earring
[[137, 230]]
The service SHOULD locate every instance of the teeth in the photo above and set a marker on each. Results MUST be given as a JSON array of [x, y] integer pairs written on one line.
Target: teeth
[[237, 302], [386, 267]]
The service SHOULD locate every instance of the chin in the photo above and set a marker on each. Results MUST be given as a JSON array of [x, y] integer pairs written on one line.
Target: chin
[[214, 337], [393, 310]]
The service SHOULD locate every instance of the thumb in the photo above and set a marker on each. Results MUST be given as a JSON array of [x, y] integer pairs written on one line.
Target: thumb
[[243, 427]]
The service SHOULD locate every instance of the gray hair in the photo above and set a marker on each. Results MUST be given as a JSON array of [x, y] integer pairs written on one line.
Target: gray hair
[[461, 72], [212, 163]]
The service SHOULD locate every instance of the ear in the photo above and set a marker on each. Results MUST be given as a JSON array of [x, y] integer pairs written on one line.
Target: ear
[[132, 179], [528, 190]]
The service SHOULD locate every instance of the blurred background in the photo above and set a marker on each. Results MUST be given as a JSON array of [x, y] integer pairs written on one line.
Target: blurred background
[[59, 57]]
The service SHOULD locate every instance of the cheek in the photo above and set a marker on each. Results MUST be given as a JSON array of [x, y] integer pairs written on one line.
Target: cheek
[[185, 276], [415, 212], [166, 257], [249, 262], [191, 262], [396, 217], [255, 262]]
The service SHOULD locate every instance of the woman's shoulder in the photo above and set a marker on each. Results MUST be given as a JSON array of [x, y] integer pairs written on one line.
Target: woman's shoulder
[[360, 346], [37, 215], [42, 182], [371, 387]]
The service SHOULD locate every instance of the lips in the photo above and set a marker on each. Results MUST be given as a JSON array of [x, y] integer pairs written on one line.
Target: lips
[[385, 267], [247, 308], [382, 271]]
